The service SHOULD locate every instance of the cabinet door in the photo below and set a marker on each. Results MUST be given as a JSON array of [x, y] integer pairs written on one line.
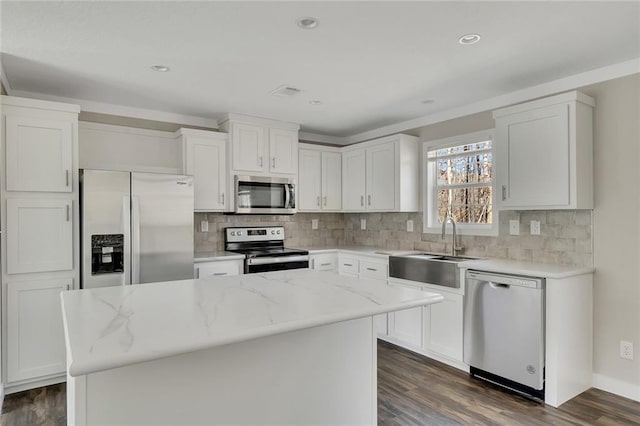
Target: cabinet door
[[217, 269], [39, 235], [248, 146], [533, 151], [309, 180], [283, 151], [443, 326], [39, 154], [35, 334], [406, 325], [353, 174], [205, 160], [348, 266], [331, 181], [381, 177]]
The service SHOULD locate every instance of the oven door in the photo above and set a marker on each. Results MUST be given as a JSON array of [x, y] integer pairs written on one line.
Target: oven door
[[278, 263], [265, 195]]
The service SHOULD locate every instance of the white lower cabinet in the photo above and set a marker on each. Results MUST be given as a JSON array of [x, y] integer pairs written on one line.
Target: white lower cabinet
[[35, 334], [406, 326], [443, 326], [218, 268], [323, 262]]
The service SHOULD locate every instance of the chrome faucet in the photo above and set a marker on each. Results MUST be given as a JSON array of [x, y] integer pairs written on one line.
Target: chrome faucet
[[449, 218]]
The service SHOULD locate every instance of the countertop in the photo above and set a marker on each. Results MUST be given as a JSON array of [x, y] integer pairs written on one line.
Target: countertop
[[525, 268], [213, 256], [363, 250], [117, 326]]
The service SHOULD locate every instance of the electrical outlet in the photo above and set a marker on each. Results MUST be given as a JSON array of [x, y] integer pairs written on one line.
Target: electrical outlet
[[409, 225], [314, 223], [363, 224], [626, 350], [535, 227], [204, 226], [514, 227]]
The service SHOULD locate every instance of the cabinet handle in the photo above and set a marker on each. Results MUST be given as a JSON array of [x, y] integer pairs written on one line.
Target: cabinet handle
[[372, 269], [369, 199], [260, 161], [318, 201], [325, 264], [273, 162], [325, 200], [219, 273], [68, 287], [68, 215], [362, 200], [66, 177], [198, 273], [222, 198], [313, 263], [348, 264], [504, 192]]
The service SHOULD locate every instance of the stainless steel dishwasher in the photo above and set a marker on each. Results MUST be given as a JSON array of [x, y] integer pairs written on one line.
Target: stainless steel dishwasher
[[504, 330]]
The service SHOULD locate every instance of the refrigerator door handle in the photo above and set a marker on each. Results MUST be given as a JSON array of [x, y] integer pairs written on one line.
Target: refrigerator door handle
[[126, 230], [135, 240]]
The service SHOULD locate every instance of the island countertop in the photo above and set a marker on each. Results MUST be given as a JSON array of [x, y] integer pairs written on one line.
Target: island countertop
[[117, 326]]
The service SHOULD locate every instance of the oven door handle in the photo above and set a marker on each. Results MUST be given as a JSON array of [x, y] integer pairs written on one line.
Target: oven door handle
[[279, 259]]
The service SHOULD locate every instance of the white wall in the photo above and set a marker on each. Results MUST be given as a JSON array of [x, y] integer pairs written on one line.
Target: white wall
[[616, 232]]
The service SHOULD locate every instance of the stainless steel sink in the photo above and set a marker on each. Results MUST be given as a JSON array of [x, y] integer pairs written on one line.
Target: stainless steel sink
[[428, 268]]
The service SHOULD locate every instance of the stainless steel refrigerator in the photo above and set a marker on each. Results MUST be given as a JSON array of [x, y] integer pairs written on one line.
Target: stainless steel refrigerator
[[135, 228]]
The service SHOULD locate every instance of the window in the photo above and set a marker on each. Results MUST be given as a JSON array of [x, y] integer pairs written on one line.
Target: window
[[459, 182]]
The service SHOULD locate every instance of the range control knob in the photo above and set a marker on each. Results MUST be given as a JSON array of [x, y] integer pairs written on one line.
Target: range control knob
[[278, 232], [273, 232], [233, 233], [239, 232]]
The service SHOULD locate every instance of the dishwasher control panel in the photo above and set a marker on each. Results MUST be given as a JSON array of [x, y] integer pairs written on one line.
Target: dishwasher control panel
[[506, 279]]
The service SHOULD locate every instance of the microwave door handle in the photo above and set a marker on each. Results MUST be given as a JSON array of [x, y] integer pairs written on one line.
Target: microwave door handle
[[287, 195]]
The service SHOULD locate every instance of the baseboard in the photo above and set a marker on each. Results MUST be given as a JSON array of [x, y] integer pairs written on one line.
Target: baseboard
[[618, 387], [437, 357]]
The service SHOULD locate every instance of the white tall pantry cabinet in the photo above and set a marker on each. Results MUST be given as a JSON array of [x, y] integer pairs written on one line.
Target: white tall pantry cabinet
[[39, 214]]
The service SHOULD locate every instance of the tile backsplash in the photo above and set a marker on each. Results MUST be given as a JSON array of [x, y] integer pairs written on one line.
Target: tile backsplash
[[565, 237]]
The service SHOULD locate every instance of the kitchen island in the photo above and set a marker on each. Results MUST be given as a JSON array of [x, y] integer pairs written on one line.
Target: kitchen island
[[291, 347]]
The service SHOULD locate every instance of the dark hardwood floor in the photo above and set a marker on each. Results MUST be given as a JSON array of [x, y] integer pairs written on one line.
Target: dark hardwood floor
[[412, 390]]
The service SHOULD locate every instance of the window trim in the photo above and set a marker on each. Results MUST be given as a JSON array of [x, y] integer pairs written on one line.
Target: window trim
[[429, 192]]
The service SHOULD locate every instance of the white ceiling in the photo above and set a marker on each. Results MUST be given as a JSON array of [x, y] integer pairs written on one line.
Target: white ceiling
[[371, 63]]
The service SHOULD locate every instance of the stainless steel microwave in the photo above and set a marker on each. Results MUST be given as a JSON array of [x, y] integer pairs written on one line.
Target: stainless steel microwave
[[265, 195]]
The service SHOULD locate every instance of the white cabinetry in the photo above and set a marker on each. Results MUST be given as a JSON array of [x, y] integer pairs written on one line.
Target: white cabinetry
[[39, 154], [544, 153], [319, 178], [39, 235], [35, 335], [39, 214], [324, 262], [406, 326], [381, 175], [369, 268], [261, 147], [443, 325], [204, 157], [218, 268]]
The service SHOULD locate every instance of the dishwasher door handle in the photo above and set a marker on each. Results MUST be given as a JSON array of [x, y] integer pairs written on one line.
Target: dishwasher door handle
[[500, 286]]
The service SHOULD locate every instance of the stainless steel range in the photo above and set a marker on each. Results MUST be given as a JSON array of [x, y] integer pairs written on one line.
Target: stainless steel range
[[264, 249]]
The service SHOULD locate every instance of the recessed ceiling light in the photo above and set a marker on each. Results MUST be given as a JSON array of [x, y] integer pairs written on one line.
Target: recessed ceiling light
[[469, 39], [160, 68], [307, 23], [315, 102], [428, 101]]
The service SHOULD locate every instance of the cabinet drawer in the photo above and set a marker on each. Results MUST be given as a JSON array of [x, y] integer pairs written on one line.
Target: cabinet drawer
[[215, 269], [371, 269], [348, 265], [324, 262]]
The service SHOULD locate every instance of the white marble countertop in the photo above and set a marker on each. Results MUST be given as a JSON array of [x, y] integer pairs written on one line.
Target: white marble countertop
[[213, 256], [117, 326], [526, 268]]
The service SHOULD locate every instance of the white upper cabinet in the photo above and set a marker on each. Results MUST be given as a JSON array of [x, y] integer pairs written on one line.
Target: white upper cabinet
[[261, 147], [319, 178], [283, 151], [381, 175], [544, 153], [204, 155], [39, 154], [35, 334], [248, 147], [39, 235]]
